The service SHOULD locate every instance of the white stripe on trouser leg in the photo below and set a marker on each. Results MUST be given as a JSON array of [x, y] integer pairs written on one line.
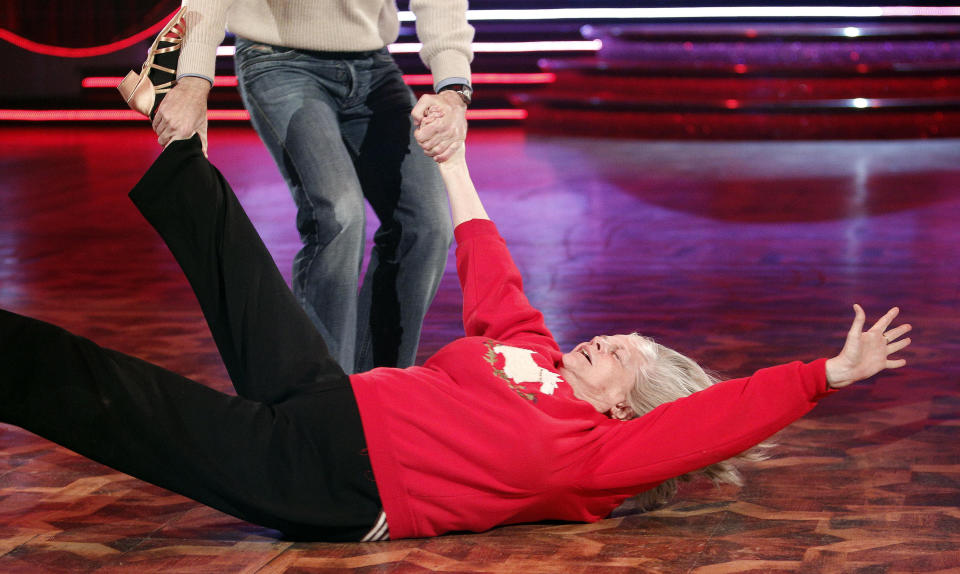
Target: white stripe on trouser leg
[[380, 530]]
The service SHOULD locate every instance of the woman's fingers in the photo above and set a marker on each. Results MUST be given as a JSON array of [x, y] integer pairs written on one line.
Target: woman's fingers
[[895, 364], [897, 332], [858, 318], [894, 347], [884, 322], [437, 136], [443, 152]]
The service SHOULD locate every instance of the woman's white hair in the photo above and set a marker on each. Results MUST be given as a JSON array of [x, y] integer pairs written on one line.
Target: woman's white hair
[[665, 376]]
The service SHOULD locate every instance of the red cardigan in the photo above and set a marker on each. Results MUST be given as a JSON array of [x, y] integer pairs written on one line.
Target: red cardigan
[[487, 433]]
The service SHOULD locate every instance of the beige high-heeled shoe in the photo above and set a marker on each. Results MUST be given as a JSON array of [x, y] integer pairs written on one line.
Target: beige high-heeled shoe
[[144, 91]]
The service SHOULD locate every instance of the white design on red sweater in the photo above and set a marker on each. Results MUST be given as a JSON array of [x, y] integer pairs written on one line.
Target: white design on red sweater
[[518, 364]]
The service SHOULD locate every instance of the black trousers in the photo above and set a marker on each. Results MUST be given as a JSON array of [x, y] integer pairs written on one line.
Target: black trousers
[[288, 453]]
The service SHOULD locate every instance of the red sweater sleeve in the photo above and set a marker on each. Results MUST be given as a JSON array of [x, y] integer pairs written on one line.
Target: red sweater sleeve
[[494, 305], [706, 427]]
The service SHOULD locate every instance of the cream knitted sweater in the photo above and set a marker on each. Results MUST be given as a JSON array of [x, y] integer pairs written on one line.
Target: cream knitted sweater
[[329, 25]]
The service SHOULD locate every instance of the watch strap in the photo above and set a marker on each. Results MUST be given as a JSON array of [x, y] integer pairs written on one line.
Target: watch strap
[[464, 91]]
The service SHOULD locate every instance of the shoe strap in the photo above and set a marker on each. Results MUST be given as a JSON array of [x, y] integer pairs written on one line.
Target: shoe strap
[[173, 48], [157, 66]]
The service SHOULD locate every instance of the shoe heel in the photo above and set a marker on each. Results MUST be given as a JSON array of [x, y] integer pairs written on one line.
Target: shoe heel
[[137, 91], [128, 84]]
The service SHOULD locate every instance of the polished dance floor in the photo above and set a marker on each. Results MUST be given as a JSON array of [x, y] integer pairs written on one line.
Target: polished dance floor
[[741, 254]]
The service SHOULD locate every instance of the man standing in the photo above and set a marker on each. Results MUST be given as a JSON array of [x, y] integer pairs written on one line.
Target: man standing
[[331, 106]]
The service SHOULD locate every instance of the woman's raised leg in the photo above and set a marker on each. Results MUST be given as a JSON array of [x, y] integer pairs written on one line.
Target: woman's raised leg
[[269, 345]]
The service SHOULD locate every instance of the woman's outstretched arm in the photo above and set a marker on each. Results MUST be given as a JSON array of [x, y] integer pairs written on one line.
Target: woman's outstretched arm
[[731, 416], [494, 304], [465, 204]]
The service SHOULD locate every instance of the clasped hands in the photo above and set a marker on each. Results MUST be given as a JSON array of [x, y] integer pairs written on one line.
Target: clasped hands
[[441, 122]]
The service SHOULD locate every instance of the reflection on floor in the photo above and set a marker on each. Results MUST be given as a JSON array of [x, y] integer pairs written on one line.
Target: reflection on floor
[[741, 254]]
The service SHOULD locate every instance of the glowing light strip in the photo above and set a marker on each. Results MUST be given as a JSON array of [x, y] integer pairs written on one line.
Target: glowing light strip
[[921, 11], [552, 14], [102, 115], [212, 115], [489, 78], [410, 79], [704, 12], [500, 47], [494, 47], [68, 115], [112, 81], [48, 50], [496, 114]]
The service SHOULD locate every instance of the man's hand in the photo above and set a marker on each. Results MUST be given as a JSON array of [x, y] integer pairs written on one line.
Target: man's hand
[[440, 139], [866, 353], [183, 112]]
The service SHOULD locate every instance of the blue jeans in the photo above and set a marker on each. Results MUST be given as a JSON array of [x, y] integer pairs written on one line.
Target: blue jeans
[[338, 126]]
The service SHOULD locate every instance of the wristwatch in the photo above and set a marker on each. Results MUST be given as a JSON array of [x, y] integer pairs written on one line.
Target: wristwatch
[[464, 91]]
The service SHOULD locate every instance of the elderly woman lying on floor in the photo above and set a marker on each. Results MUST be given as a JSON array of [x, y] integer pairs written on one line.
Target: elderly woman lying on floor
[[499, 427]]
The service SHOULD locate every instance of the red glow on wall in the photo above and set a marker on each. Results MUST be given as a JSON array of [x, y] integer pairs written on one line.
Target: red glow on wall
[[410, 79], [538, 78], [228, 115], [90, 52], [103, 115], [212, 115], [68, 115], [112, 81], [496, 114]]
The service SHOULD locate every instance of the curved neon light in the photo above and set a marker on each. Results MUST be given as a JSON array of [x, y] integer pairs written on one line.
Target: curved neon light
[[49, 50]]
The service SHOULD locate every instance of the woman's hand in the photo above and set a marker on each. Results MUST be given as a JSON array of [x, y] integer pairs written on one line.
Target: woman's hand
[[453, 159], [443, 135], [866, 353], [465, 204]]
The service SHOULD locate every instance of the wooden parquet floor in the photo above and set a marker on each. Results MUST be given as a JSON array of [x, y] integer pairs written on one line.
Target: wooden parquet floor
[[740, 254]]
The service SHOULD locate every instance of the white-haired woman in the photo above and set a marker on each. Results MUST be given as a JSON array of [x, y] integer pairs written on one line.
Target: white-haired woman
[[498, 427]]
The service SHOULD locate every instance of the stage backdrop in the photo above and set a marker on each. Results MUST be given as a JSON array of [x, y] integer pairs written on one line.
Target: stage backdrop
[[88, 23]]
